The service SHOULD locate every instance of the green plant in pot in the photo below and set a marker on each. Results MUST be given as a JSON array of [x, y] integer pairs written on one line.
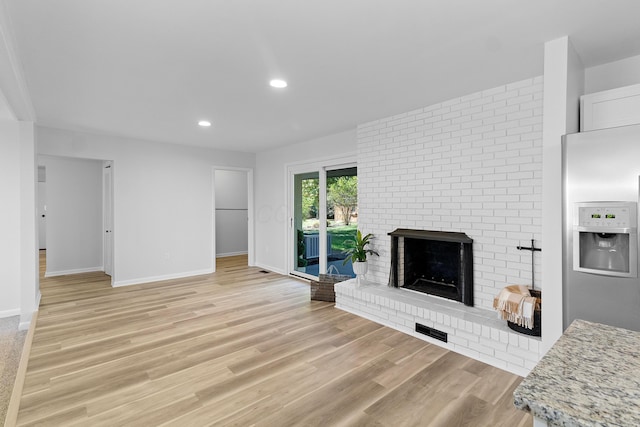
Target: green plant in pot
[[357, 253], [302, 261]]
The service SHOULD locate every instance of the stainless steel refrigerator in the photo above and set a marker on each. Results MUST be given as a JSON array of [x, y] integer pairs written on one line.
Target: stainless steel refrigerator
[[600, 247]]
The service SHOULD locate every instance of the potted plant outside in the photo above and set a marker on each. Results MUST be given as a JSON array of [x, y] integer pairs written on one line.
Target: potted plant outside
[[302, 261], [358, 252]]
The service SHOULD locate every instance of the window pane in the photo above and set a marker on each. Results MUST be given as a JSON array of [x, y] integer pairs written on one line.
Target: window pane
[[342, 217], [306, 221]]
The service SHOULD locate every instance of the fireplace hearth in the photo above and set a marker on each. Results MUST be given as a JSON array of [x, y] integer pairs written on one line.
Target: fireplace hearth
[[438, 263]]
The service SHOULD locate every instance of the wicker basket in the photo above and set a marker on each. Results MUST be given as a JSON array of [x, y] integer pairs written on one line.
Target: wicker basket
[[537, 317], [322, 289]]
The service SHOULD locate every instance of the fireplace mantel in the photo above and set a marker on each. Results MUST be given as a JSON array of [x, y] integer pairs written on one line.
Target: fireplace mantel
[[443, 236]]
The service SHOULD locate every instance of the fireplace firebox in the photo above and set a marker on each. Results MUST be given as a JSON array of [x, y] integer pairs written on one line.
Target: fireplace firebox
[[439, 263]]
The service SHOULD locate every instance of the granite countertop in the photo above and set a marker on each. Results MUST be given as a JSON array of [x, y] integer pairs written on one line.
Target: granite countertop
[[590, 377]]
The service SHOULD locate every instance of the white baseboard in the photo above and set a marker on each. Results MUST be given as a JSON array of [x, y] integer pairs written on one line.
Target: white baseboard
[[231, 254], [74, 271], [23, 326], [141, 280], [270, 268], [25, 321], [9, 313]]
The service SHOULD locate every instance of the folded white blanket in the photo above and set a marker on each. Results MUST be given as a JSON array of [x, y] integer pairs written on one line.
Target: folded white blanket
[[515, 304]]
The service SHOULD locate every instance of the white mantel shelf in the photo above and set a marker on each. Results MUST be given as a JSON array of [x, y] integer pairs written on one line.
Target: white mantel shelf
[[473, 332]]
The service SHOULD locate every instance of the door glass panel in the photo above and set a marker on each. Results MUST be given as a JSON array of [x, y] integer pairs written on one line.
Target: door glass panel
[[306, 221], [342, 217]]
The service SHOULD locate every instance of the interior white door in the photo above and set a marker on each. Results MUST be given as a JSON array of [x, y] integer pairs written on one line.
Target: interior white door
[[42, 215], [107, 198]]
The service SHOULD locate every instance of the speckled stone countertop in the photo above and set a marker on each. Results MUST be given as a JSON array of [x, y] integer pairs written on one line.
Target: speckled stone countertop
[[590, 377]]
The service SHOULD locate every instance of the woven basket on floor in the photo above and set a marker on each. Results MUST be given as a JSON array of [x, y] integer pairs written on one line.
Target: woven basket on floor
[[322, 289]]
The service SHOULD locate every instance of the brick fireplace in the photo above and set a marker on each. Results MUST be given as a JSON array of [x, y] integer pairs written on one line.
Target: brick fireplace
[[470, 165]]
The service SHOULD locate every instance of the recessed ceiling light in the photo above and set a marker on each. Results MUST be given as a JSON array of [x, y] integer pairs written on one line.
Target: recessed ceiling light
[[204, 123], [278, 83]]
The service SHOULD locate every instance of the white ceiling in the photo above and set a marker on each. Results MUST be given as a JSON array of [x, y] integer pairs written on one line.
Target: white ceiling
[[151, 69]]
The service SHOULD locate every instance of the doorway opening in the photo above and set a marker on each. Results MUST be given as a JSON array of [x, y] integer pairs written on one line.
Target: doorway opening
[[75, 209], [233, 216]]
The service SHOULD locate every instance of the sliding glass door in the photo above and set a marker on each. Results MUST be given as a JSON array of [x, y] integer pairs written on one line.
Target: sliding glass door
[[341, 217], [324, 217], [306, 223]]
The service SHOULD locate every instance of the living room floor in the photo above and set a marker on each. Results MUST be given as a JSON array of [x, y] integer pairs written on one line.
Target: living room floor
[[241, 347]]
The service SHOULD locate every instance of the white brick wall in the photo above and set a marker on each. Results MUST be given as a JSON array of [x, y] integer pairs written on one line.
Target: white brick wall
[[472, 164]]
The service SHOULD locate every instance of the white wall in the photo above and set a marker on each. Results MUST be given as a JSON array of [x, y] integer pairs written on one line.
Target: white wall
[[271, 187], [18, 269], [564, 83], [9, 219], [612, 75], [163, 201], [29, 282], [231, 212], [74, 215], [471, 164]]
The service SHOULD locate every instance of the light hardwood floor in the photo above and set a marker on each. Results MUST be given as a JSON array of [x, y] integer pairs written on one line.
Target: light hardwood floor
[[241, 347]]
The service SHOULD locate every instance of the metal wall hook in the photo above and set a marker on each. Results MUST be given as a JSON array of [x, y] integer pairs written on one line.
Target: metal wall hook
[[533, 250]]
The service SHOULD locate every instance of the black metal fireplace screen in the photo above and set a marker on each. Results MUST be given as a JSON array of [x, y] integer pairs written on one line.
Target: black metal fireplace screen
[[439, 263]]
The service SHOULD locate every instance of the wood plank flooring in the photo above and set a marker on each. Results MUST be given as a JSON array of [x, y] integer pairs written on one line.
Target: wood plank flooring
[[241, 347]]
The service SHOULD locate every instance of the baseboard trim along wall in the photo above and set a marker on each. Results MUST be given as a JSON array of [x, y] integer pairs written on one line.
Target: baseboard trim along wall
[[9, 313], [150, 279], [27, 319], [74, 271], [228, 254], [270, 268]]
